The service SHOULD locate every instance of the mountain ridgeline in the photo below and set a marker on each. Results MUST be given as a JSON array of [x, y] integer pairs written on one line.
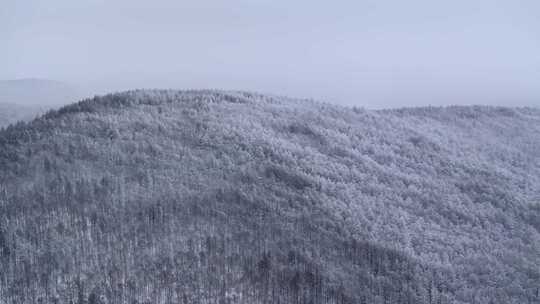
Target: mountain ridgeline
[[233, 197]]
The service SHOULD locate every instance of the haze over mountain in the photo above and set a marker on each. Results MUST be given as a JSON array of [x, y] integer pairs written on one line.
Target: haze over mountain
[[236, 197], [369, 53], [24, 99], [38, 92], [12, 113]]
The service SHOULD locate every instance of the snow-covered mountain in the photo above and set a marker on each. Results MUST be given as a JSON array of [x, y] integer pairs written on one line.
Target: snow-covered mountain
[[235, 197]]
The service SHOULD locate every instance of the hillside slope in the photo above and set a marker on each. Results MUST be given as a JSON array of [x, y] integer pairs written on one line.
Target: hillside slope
[[231, 197]]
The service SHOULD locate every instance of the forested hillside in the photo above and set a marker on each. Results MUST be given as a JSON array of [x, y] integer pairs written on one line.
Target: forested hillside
[[232, 197]]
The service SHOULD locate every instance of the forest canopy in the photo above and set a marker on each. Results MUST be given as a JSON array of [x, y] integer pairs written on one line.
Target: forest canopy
[[155, 196]]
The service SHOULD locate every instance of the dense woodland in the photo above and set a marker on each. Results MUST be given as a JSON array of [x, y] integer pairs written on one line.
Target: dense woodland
[[234, 197]]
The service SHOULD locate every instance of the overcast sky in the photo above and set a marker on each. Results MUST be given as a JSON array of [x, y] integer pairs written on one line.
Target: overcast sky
[[375, 53]]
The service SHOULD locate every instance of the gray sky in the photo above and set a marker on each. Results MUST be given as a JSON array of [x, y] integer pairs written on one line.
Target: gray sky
[[375, 53]]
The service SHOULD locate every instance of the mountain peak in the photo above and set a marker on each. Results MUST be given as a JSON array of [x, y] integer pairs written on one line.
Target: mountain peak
[[255, 193]]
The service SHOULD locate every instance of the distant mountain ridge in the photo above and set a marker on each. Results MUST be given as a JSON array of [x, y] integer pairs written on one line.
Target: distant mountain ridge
[[154, 196], [24, 99], [11, 113], [38, 92]]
